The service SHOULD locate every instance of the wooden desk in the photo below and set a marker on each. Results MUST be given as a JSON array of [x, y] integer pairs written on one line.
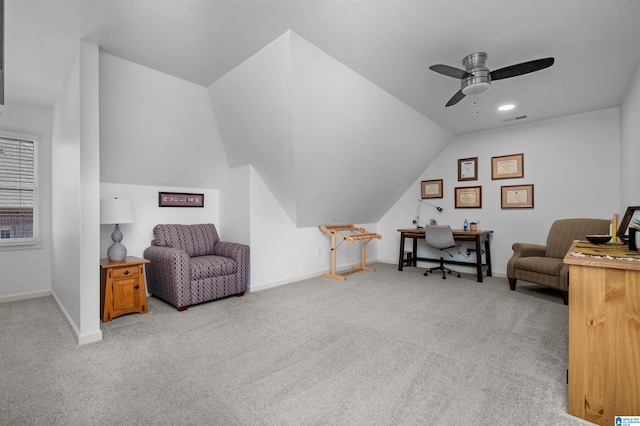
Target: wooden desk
[[478, 237], [604, 336]]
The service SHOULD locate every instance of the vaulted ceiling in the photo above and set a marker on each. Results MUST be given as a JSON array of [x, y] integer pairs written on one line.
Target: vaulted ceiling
[[382, 48], [391, 43]]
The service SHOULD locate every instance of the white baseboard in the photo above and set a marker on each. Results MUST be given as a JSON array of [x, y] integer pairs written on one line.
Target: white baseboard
[[82, 339], [87, 338], [25, 296], [307, 276], [283, 282]]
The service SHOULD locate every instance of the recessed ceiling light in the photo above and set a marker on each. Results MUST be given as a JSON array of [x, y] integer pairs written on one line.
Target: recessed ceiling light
[[506, 107]]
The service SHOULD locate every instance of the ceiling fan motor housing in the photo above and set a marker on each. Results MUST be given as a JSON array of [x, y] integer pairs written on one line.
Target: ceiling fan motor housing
[[480, 80]]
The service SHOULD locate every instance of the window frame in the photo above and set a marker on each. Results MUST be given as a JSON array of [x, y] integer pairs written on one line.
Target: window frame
[[16, 243]]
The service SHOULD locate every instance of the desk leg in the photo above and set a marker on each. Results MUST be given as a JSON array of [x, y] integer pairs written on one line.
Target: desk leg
[[401, 258], [415, 253], [487, 251], [478, 258]]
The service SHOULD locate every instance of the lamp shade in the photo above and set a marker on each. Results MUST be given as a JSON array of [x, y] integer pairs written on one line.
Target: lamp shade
[[116, 210]]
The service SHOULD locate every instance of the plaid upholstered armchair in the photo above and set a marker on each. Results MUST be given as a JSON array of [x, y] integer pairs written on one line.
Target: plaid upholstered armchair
[[543, 264], [190, 265]]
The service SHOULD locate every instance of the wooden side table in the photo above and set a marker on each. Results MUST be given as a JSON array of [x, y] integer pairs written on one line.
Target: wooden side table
[[122, 289]]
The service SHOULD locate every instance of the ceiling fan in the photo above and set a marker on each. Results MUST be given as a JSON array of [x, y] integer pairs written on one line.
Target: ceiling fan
[[476, 77]]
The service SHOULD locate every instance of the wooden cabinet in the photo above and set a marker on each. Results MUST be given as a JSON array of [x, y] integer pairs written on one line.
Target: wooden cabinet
[[604, 337], [122, 288]]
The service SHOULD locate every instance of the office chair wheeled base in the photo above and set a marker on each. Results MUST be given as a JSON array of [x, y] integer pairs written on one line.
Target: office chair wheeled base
[[441, 268], [444, 276]]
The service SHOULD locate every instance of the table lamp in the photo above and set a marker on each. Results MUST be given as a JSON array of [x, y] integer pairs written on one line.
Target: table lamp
[[116, 211]]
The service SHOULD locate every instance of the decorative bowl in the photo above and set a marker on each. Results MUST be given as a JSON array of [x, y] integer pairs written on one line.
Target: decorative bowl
[[598, 239]]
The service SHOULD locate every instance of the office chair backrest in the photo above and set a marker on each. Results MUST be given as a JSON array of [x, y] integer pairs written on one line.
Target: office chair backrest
[[439, 236]]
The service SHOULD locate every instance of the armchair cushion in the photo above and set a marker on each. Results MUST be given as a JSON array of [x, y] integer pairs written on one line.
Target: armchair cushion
[[196, 240], [211, 266], [542, 265]]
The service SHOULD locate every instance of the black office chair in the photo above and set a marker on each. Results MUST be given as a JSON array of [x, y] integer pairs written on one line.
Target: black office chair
[[440, 237]]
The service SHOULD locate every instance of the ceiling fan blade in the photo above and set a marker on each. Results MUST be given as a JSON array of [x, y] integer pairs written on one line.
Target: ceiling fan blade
[[450, 71], [523, 68], [455, 98]]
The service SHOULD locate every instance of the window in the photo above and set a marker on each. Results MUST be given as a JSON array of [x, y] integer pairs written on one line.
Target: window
[[5, 233], [18, 190]]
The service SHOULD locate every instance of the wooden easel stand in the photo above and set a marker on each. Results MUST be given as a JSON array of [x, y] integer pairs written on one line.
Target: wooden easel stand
[[361, 235]]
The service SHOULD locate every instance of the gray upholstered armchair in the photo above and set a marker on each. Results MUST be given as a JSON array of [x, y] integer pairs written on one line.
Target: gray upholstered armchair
[[543, 264], [190, 265]]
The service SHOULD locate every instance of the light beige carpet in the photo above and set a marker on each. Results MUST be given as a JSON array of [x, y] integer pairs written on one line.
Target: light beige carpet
[[382, 348]]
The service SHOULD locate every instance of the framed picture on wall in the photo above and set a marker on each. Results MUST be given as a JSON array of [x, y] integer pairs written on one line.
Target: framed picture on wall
[[432, 188], [469, 197], [507, 166], [180, 199], [516, 196], [468, 169]]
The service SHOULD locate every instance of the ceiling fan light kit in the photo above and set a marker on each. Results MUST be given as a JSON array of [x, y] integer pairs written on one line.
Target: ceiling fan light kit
[[476, 77], [479, 79]]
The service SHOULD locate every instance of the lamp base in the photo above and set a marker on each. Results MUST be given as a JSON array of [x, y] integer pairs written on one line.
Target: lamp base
[[117, 252]]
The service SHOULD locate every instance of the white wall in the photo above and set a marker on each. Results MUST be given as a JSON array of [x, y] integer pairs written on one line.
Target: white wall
[[156, 129], [253, 108], [26, 272], [75, 200], [313, 129], [356, 146], [235, 206], [138, 235], [157, 133], [572, 161], [630, 152], [282, 253]]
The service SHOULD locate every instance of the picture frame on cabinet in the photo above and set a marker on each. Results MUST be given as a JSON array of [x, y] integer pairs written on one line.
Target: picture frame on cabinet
[[633, 212]]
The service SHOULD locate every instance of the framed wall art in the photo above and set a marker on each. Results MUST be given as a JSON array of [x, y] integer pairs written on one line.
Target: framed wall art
[[507, 166], [469, 197], [180, 199], [516, 196], [468, 169], [432, 188]]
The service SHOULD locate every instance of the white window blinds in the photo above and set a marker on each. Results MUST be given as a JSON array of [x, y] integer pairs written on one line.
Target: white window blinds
[[18, 191], [17, 173]]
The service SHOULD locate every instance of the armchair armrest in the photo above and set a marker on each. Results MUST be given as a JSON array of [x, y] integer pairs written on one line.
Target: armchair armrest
[[523, 250], [169, 275], [236, 251], [528, 249], [239, 253]]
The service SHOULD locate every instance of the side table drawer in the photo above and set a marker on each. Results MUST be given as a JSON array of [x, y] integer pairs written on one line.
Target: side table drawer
[[128, 272]]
